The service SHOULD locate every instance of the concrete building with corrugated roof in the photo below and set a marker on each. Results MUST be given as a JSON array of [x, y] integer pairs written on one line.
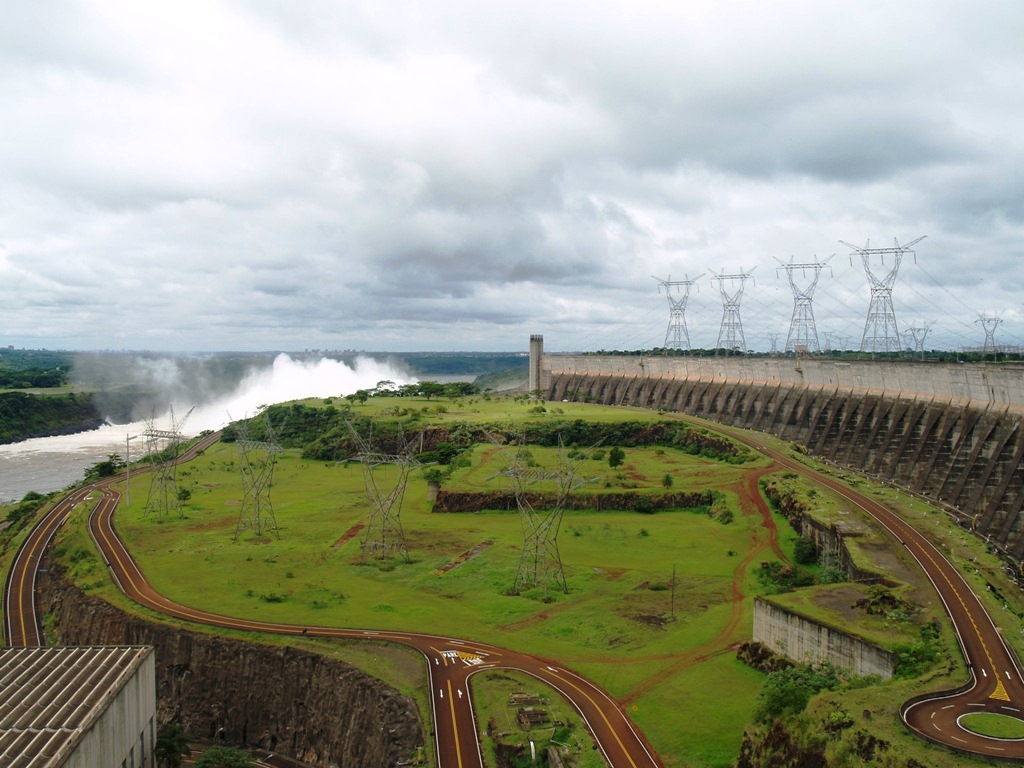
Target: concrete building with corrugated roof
[[78, 707]]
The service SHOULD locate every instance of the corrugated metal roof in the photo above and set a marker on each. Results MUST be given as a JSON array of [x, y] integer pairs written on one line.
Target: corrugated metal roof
[[49, 696]]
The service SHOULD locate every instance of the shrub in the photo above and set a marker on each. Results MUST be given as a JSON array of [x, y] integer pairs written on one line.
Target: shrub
[[806, 551]]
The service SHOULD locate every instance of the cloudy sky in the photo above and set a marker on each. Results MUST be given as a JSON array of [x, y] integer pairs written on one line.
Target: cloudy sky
[[456, 174]]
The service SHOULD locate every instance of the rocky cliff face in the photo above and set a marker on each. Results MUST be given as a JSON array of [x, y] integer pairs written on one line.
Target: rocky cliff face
[[293, 702]]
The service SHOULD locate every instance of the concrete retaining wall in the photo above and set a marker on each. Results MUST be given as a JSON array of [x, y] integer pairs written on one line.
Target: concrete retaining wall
[[806, 641]]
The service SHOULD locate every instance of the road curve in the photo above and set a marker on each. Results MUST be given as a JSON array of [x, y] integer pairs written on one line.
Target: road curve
[[450, 661], [996, 681]]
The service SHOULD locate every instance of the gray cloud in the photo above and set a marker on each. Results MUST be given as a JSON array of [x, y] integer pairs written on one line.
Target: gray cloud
[[456, 175]]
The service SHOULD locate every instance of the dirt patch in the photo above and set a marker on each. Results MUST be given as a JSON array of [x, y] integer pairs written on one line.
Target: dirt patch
[[349, 535], [464, 557], [529, 621], [652, 620]]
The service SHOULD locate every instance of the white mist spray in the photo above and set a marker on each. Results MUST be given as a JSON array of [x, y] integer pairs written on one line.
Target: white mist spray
[[49, 463]]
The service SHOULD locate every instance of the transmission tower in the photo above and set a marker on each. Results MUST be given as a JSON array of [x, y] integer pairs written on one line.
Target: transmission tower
[[676, 336], [802, 331], [730, 336], [162, 446], [880, 331], [989, 324], [384, 538], [774, 339], [828, 340], [917, 335], [256, 459], [540, 564]]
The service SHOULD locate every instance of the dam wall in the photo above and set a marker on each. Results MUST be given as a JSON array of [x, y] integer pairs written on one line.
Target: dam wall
[[958, 383], [950, 432]]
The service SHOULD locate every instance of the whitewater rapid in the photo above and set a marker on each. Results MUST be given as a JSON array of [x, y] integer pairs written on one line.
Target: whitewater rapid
[[51, 463]]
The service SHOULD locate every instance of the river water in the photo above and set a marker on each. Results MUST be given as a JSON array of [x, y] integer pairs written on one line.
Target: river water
[[51, 463]]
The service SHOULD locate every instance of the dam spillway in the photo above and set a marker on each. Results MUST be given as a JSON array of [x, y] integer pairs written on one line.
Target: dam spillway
[[947, 431]]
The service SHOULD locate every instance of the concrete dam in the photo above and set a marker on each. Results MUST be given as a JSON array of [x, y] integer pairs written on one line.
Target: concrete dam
[[947, 431]]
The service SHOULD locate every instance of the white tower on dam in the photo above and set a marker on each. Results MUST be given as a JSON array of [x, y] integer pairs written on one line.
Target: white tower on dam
[[536, 353]]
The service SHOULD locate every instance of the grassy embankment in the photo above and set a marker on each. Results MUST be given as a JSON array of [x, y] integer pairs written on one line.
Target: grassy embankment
[[681, 684], [612, 625]]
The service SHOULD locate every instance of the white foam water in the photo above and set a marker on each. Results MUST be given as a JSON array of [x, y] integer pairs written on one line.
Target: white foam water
[[51, 463]]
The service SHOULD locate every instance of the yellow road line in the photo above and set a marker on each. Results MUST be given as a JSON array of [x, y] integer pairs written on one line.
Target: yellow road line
[[455, 725]]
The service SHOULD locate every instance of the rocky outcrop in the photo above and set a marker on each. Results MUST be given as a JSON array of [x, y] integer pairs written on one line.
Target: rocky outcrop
[[318, 710]]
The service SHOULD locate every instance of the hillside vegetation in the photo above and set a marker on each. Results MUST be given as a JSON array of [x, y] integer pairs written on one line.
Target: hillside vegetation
[[23, 416]]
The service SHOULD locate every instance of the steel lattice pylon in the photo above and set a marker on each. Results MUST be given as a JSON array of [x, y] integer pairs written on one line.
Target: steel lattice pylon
[[384, 538], [162, 447], [730, 336], [917, 334], [881, 333], [803, 334], [676, 335], [257, 460], [989, 324], [540, 564]]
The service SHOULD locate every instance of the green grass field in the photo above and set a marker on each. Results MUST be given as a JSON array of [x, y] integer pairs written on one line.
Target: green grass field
[[667, 654]]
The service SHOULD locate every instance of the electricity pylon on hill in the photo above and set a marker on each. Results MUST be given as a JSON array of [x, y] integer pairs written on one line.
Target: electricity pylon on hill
[[540, 563], [881, 333], [730, 336], [676, 335], [917, 335], [384, 538], [989, 323], [162, 447], [256, 459], [803, 333]]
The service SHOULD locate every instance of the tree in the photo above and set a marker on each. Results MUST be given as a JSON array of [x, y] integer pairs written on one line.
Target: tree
[[667, 481], [107, 468], [224, 757], [431, 389], [616, 456], [171, 745]]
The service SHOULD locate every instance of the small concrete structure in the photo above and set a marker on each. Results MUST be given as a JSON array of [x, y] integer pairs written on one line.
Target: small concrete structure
[[77, 707], [810, 642]]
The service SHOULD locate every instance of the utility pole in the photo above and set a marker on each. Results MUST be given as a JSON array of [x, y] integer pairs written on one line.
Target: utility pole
[[673, 591], [128, 469]]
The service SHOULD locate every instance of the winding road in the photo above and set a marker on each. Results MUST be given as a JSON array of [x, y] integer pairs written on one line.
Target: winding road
[[450, 661], [995, 683]]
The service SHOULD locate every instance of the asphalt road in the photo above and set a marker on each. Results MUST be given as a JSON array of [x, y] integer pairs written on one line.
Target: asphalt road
[[995, 683]]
